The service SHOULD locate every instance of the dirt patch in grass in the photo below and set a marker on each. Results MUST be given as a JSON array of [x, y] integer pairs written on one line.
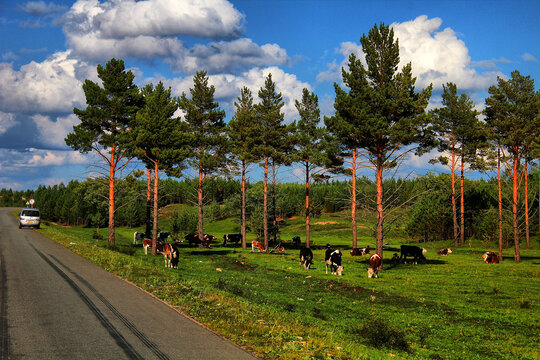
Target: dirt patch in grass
[[330, 222]]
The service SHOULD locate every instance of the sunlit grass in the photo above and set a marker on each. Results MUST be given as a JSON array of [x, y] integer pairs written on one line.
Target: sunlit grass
[[453, 307]]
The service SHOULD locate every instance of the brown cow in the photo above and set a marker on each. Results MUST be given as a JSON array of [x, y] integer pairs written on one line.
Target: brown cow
[[444, 252], [375, 262], [490, 257]]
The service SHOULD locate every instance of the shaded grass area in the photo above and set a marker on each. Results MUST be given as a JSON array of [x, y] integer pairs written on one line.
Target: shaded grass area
[[453, 307]]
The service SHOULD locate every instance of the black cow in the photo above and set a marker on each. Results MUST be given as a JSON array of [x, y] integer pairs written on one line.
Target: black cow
[[232, 238], [306, 258], [332, 258], [416, 252], [193, 239], [296, 242], [163, 236]]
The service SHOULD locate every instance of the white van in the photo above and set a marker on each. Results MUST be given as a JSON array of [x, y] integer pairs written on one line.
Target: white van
[[29, 217]]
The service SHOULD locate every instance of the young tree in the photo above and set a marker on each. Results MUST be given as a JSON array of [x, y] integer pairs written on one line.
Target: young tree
[[459, 132], [312, 149], [159, 140], [382, 112], [511, 112], [106, 121], [271, 128], [241, 131], [207, 130]]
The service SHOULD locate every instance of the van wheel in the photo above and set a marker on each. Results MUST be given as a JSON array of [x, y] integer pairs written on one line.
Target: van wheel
[[20, 226], [37, 227]]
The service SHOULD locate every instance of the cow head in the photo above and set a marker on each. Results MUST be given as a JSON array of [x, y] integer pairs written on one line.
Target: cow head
[[424, 251], [370, 273]]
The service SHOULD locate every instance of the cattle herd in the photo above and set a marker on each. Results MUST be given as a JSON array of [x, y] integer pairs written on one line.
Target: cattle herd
[[332, 257]]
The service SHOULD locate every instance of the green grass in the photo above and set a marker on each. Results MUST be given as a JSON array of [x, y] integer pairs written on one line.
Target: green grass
[[453, 307]]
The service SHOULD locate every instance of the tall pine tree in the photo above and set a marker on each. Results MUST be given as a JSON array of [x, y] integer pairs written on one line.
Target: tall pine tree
[[207, 130], [106, 122], [381, 113]]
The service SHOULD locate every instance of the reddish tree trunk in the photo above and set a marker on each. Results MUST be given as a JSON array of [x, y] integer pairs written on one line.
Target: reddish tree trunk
[[148, 202], [500, 204], [353, 203], [265, 203], [462, 201], [112, 167], [200, 203], [514, 204], [243, 200], [380, 217], [454, 208], [307, 205], [526, 203], [155, 225]]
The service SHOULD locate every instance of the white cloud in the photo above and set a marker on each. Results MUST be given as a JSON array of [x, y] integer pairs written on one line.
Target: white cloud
[[129, 28], [437, 56], [39, 157], [54, 132], [40, 8], [225, 56], [50, 86], [529, 57], [6, 121]]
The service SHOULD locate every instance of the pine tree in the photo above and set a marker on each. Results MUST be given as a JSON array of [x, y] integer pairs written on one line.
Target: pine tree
[[381, 113], [313, 150], [106, 121], [511, 113], [241, 131], [207, 130], [271, 130], [159, 140]]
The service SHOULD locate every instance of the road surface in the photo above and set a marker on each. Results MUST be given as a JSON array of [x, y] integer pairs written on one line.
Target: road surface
[[56, 305]]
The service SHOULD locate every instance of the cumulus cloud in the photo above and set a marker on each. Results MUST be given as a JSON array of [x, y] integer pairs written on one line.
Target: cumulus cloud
[[437, 55], [6, 121], [228, 87], [53, 133], [50, 86], [227, 56], [150, 27]]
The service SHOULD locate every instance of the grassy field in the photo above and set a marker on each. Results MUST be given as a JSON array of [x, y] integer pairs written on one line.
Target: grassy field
[[453, 307]]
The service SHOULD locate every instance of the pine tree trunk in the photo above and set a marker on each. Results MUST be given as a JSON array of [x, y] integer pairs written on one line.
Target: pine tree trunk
[[353, 202], [155, 225], [500, 204], [274, 209], [148, 203], [462, 201], [514, 204], [265, 203], [112, 166], [454, 208], [307, 205], [243, 200], [200, 203], [526, 202], [380, 217]]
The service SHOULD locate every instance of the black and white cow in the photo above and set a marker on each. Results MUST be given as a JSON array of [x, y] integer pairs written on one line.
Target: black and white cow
[[232, 238], [332, 259], [416, 252], [306, 258], [138, 237]]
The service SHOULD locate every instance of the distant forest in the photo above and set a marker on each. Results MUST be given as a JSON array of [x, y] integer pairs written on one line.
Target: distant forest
[[426, 203]]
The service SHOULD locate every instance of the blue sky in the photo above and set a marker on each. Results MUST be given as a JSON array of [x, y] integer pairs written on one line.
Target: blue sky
[[48, 48]]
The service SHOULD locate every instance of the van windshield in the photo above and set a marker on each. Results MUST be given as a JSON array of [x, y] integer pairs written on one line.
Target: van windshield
[[34, 213]]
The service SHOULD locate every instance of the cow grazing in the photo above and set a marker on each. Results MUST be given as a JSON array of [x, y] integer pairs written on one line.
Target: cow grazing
[[444, 252], [375, 262], [296, 242], [171, 255], [360, 251], [306, 258], [147, 243], [416, 252], [490, 257], [257, 245], [332, 259], [163, 236], [232, 238], [138, 237], [193, 239]]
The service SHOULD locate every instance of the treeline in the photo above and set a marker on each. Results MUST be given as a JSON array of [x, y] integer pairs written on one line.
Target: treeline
[[427, 215]]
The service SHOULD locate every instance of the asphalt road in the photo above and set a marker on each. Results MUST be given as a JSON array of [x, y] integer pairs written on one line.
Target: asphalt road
[[56, 305]]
